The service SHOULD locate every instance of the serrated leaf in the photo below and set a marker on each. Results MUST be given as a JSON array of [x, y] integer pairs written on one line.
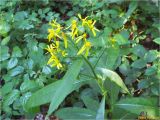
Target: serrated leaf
[[28, 85], [46, 70], [16, 71], [75, 113], [12, 63], [66, 85], [10, 98], [16, 52], [138, 105], [4, 53]]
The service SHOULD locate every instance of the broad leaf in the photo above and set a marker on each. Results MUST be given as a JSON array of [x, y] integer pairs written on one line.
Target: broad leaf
[[75, 113], [66, 85], [45, 94], [140, 63], [112, 55], [16, 52], [157, 40], [139, 50], [12, 63], [112, 89], [4, 53], [16, 71], [90, 103], [101, 111], [138, 105], [114, 77]]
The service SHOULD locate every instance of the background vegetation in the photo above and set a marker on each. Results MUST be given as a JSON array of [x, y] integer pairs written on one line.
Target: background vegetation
[[128, 44]]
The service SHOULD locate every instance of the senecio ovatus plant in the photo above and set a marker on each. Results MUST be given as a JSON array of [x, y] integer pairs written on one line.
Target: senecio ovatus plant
[[77, 33]]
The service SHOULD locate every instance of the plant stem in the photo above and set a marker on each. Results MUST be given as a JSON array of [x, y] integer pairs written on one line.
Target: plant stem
[[92, 69]]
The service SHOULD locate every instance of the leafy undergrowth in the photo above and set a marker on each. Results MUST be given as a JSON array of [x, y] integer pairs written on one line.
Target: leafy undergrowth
[[104, 60]]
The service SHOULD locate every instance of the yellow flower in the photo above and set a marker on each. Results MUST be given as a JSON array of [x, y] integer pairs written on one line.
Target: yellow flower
[[74, 29], [54, 61], [86, 47], [91, 24], [54, 31], [53, 34], [51, 49], [65, 39], [84, 36], [83, 20], [54, 24]]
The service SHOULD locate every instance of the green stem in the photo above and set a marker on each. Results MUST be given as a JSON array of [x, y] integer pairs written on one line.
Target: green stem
[[92, 69]]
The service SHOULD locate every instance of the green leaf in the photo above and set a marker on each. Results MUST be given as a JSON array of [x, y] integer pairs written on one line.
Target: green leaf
[[25, 25], [112, 56], [28, 85], [157, 40], [138, 105], [139, 50], [20, 16], [151, 55], [16, 71], [7, 88], [140, 63], [10, 98], [45, 94], [5, 40], [114, 77], [151, 70], [66, 85], [90, 103], [4, 55], [75, 113], [101, 111], [120, 39], [12, 63], [131, 9], [16, 52], [4, 28], [46, 70], [144, 83], [112, 89]]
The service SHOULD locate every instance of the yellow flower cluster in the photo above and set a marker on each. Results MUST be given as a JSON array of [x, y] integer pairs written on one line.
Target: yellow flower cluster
[[89, 23], [57, 34]]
